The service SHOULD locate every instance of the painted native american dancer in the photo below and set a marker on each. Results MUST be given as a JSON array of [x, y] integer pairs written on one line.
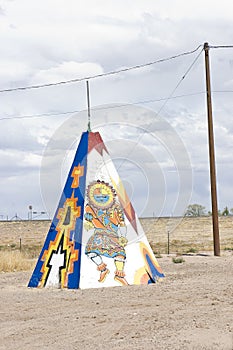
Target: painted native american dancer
[[105, 216]]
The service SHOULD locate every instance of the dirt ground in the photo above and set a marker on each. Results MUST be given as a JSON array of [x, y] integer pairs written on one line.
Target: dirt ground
[[192, 308]]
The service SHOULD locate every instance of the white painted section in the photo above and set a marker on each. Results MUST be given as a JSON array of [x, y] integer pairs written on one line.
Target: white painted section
[[100, 168], [57, 260]]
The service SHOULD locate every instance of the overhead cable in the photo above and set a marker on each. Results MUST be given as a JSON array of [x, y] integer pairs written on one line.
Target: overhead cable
[[102, 74], [54, 114], [163, 105], [180, 81], [221, 46]]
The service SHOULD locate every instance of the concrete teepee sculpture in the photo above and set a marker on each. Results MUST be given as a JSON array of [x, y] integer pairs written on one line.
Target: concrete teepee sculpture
[[95, 239]]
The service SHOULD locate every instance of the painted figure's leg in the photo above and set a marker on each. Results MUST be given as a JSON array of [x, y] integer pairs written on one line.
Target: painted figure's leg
[[101, 266], [119, 273]]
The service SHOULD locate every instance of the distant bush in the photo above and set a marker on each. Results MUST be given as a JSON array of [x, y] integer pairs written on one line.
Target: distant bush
[[178, 260], [192, 250]]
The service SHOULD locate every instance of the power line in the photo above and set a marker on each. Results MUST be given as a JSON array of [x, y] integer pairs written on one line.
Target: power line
[[31, 116], [102, 108], [75, 80], [141, 102], [102, 74], [116, 72], [164, 104], [38, 115], [221, 46], [222, 91], [180, 81]]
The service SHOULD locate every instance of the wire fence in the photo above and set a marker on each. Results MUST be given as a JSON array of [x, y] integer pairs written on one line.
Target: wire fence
[[171, 235]]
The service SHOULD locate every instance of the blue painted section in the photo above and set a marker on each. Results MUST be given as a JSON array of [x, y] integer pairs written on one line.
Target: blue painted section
[[76, 234], [153, 273]]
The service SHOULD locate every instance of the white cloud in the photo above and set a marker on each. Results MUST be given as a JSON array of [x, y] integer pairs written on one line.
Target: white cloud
[[67, 71], [13, 71], [52, 41]]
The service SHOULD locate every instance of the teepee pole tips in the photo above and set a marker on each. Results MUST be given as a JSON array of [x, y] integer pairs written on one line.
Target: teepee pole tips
[[88, 108]]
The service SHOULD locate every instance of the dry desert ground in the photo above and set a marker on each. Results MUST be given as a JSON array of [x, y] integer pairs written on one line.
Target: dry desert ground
[[191, 308]]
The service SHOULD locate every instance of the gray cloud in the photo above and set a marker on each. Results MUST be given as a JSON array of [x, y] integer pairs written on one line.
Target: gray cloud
[[54, 44]]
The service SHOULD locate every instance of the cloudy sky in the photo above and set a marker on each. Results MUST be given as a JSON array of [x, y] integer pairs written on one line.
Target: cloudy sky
[[153, 119]]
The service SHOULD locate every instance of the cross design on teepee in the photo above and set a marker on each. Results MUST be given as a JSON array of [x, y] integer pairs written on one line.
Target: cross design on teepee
[[76, 174]]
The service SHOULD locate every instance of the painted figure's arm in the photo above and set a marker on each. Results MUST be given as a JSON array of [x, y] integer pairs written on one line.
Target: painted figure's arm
[[91, 216]]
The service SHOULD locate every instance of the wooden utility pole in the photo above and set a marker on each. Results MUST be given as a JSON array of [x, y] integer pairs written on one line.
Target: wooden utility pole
[[212, 156]]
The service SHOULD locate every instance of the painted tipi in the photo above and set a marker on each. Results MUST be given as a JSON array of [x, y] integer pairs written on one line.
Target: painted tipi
[[95, 239]]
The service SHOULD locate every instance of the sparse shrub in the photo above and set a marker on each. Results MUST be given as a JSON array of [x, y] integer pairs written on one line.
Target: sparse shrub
[[192, 250], [178, 260]]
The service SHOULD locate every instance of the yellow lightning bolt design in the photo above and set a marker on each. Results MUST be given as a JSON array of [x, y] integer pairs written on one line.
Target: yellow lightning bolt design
[[67, 218]]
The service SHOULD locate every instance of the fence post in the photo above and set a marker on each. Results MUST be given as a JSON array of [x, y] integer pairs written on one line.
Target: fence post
[[168, 242]]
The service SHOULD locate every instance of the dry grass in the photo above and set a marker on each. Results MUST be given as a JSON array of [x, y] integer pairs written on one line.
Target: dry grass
[[184, 247], [15, 261]]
